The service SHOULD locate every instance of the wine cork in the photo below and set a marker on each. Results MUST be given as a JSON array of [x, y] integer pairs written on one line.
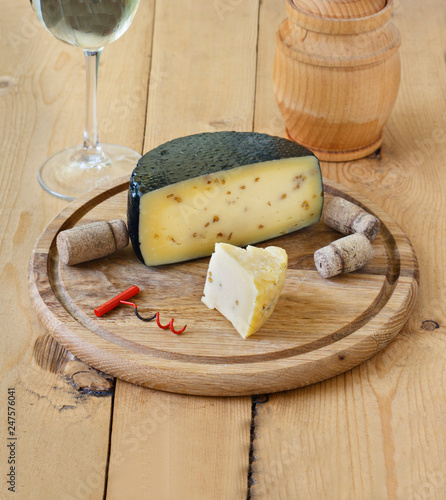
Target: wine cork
[[91, 241], [344, 255], [347, 218]]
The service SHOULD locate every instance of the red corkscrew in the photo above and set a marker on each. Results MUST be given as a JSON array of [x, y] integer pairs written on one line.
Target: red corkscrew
[[122, 298], [115, 301], [169, 325]]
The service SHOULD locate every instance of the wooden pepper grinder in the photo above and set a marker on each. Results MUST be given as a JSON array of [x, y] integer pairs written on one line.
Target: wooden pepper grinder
[[336, 75]]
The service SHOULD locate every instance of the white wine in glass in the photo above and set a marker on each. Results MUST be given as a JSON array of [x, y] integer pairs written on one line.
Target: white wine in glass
[[90, 25]]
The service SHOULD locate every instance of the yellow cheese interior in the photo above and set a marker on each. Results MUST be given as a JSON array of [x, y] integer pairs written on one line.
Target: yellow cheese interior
[[245, 284], [240, 206]]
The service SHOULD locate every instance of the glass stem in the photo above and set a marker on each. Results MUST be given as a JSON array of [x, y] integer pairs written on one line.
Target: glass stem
[[91, 147]]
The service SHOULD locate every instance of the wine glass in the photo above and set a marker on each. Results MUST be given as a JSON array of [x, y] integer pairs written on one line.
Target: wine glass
[[90, 25]]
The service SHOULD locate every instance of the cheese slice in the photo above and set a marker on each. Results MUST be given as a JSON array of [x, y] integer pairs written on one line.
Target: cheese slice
[[244, 285], [233, 187]]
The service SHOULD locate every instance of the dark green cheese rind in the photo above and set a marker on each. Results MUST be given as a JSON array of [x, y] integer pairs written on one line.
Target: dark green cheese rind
[[201, 154]]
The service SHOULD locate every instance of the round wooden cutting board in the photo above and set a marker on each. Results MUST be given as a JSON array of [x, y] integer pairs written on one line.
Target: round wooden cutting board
[[320, 327]]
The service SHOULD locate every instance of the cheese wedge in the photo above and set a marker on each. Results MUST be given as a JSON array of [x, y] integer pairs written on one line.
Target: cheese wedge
[[232, 187], [244, 285]]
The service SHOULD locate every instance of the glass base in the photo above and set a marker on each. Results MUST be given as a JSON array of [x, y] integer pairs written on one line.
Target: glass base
[[72, 172]]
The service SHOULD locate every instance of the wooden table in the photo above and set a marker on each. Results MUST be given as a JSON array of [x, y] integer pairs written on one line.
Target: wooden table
[[376, 432]]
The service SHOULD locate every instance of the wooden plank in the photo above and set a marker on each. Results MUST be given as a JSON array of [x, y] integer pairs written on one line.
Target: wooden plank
[[203, 79], [203, 69], [376, 431], [59, 429], [176, 446]]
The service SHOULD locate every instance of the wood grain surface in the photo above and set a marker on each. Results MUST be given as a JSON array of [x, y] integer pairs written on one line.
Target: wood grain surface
[[375, 432]]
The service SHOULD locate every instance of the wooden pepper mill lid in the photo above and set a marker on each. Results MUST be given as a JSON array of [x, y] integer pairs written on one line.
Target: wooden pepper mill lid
[[350, 15], [339, 9]]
